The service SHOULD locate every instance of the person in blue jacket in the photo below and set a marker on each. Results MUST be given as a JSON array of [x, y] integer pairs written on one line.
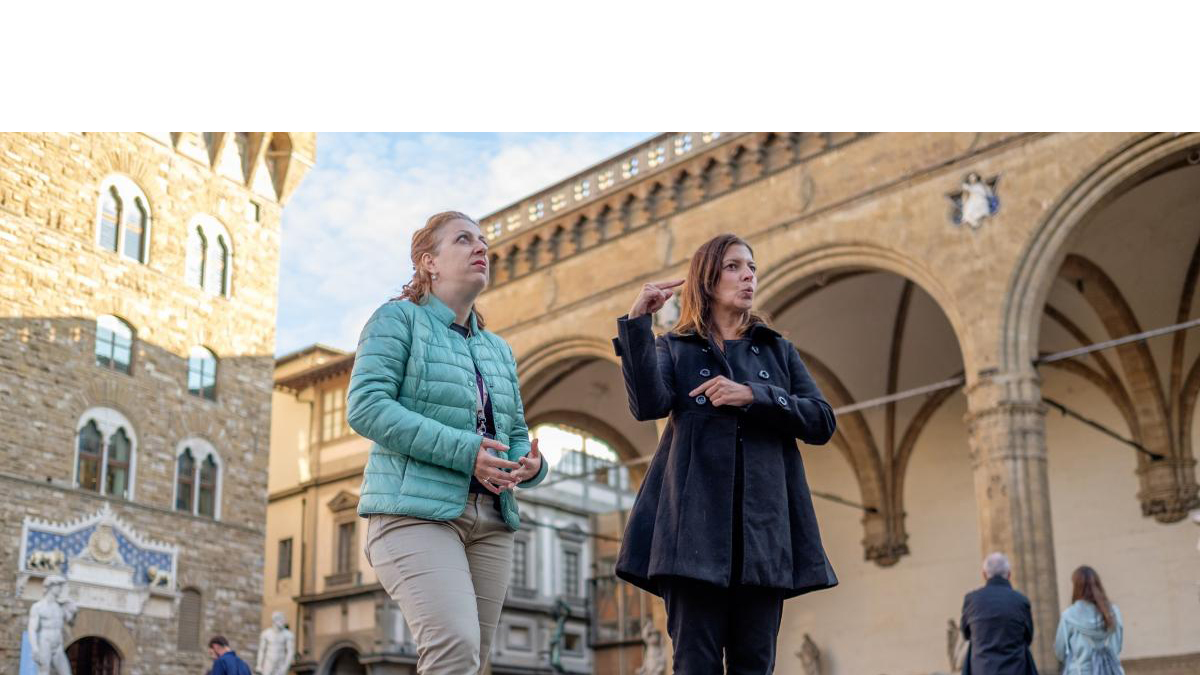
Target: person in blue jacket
[[1090, 631], [225, 661]]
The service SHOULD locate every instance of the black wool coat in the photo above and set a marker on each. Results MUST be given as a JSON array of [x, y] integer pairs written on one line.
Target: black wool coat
[[998, 622], [681, 524]]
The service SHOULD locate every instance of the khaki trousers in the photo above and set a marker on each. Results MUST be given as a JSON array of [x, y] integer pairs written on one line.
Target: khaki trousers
[[449, 578]]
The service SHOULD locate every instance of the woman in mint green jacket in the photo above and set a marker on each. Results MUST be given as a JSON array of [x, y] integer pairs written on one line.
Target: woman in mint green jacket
[[1090, 632], [439, 397]]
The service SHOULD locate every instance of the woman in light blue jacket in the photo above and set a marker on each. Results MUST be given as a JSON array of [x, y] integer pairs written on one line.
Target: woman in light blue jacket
[[1090, 630], [439, 397]]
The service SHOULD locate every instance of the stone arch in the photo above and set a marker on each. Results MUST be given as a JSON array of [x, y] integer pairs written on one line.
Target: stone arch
[[879, 464], [104, 625], [192, 422], [109, 394], [777, 286], [557, 386], [1038, 266], [131, 164], [1158, 418], [337, 651], [533, 253], [592, 425], [512, 263], [547, 363]]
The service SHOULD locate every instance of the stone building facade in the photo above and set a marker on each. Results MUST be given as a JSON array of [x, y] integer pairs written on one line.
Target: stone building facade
[[964, 264], [138, 289], [317, 575]]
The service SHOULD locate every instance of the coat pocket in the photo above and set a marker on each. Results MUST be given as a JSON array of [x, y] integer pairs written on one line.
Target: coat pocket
[[431, 482]]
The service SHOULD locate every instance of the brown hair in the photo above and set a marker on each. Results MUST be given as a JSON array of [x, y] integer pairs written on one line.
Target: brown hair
[[425, 240], [218, 640], [696, 297], [1087, 586]]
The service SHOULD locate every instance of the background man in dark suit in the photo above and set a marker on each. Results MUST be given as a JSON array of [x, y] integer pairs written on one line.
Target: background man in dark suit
[[999, 624]]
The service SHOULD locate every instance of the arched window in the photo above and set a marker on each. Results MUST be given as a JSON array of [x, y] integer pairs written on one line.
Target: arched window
[[114, 344], [209, 255], [135, 229], [198, 479], [91, 449], [110, 209], [116, 467], [123, 218], [220, 260], [197, 248], [574, 452], [202, 373], [185, 481], [191, 620], [105, 453], [207, 496]]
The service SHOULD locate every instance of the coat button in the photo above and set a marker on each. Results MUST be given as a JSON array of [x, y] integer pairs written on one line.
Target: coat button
[[705, 372], [701, 399], [764, 374], [782, 401], [754, 348]]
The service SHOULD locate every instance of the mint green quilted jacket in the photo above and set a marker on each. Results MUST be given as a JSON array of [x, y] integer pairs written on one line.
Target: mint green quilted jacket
[[412, 392]]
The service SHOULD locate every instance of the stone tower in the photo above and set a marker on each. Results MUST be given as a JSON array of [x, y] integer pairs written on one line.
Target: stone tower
[[138, 289]]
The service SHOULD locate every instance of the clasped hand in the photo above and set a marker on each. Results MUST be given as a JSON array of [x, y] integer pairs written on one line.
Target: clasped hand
[[721, 390], [498, 475]]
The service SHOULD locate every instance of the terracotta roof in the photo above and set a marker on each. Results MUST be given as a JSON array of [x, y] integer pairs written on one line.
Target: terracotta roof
[[307, 378], [318, 347]]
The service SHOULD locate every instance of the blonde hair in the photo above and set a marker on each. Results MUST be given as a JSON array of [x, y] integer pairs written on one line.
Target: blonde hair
[[697, 297], [425, 240]]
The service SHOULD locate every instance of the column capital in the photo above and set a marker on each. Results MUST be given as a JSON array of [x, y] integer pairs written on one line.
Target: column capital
[[995, 388]]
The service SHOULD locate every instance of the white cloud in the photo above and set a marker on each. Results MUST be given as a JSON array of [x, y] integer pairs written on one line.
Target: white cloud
[[347, 229]]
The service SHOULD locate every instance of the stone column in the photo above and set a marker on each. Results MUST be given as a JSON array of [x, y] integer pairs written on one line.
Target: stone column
[[1007, 430]]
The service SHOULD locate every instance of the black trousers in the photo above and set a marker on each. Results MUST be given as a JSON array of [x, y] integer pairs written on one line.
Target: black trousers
[[711, 625]]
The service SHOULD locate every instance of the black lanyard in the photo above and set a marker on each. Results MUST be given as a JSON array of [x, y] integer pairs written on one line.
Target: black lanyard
[[489, 420]]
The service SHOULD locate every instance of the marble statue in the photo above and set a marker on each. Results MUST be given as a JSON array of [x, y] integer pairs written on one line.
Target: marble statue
[[654, 661], [975, 201], [276, 648], [810, 656], [158, 578], [46, 561], [48, 618], [956, 647]]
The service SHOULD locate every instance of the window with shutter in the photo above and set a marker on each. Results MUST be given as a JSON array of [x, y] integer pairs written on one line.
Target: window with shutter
[[191, 617]]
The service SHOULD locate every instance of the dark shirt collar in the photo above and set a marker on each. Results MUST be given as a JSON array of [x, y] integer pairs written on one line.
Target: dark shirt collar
[[763, 331], [999, 581]]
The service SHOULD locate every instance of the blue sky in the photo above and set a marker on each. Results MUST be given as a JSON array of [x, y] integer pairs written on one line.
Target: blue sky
[[346, 230]]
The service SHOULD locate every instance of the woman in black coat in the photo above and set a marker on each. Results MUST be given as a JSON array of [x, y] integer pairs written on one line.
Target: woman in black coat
[[723, 527]]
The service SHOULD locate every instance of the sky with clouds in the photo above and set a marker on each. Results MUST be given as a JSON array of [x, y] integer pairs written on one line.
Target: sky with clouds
[[347, 228]]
